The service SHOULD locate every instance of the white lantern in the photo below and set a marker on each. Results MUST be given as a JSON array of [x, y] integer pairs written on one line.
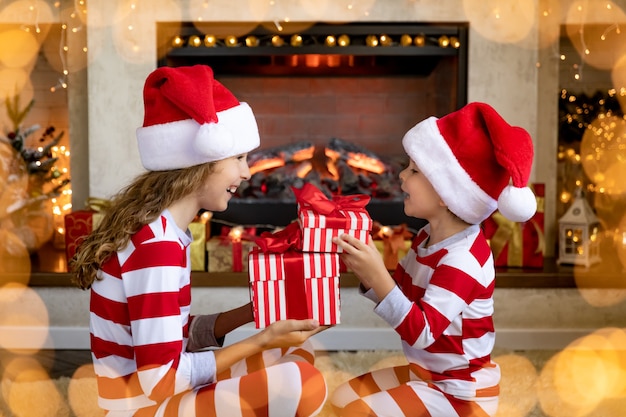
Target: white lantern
[[579, 234]]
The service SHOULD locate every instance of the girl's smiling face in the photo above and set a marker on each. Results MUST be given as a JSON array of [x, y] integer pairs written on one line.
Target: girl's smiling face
[[420, 198], [220, 186]]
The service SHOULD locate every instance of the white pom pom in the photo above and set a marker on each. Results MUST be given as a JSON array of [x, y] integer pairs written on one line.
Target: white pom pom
[[517, 204]]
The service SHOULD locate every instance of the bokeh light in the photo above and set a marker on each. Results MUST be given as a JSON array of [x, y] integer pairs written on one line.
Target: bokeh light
[[13, 179], [13, 81], [18, 48], [316, 9], [82, 393], [66, 46], [549, 23], [15, 264], [603, 150], [29, 391], [619, 241], [20, 324], [134, 31], [618, 77], [518, 385], [586, 374], [594, 31], [501, 21], [30, 13]]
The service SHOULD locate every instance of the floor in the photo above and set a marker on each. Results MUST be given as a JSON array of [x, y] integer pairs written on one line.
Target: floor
[[537, 383], [57, 363], [518, 399]]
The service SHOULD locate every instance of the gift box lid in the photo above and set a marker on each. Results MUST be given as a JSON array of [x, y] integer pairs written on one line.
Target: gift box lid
[[341, 219]]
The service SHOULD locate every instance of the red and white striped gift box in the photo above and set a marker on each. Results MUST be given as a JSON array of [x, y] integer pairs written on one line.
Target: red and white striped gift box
[[318, 229], [294, 285]]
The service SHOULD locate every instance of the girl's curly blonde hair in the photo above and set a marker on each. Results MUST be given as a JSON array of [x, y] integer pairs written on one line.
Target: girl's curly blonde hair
[[132, 208]]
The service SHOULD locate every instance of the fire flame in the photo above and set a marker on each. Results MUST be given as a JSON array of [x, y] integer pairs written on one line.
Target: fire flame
[[267, 164]]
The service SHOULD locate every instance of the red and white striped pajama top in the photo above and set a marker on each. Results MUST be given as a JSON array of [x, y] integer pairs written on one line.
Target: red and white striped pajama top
[[442, 309], [139, 324]]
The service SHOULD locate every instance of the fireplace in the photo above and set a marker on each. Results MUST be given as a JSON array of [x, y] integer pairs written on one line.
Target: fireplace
[[331, 92]]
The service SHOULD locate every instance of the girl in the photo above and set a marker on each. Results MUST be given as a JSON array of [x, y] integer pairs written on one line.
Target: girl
[[440, 299], [149, 353]]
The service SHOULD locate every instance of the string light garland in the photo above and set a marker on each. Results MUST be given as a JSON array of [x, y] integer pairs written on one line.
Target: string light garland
[[327, 40], [578, 114]]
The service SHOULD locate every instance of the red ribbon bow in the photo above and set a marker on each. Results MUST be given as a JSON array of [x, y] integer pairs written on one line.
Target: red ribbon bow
[[281, 241], [312, 196]]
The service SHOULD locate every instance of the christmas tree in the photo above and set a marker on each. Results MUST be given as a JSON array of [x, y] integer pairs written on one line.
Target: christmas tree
[[45, 179], [29, 179]]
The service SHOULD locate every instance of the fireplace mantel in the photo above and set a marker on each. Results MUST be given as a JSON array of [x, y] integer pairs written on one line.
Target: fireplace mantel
[[49, 266], [368, 48]]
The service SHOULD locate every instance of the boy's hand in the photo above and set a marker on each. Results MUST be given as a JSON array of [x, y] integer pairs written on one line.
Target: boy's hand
[[366, 263]]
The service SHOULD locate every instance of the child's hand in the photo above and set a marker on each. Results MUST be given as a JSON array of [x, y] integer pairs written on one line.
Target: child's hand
[[366, 263], [286, 333]]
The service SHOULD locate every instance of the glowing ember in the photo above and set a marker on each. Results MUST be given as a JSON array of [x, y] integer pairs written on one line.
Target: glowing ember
[[365, 162], [266, 164]]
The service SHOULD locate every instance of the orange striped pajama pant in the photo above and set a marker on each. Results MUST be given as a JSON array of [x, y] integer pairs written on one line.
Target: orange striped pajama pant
[[399, 392], [277, 382]]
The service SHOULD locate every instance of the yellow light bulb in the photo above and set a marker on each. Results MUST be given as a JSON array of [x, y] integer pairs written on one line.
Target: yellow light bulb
[[177, 42], [210, 41], [231, 41], [195, 41], [371, 41], [296, 40], [385, 40], [277, 41], [252, 41]]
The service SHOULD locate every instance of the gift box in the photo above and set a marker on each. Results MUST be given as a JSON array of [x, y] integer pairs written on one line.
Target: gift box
[[80, 223], [286, 283], [294, 285], [321, 219], [393, 243], [229, 251], [516, 244], [392, 252], [198, 246], [226, 255]]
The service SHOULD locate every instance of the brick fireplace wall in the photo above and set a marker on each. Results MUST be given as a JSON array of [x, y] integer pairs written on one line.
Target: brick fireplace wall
[[373, 112]]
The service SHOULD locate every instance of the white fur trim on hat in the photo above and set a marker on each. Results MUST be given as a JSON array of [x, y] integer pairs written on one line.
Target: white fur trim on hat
[[186, 143], [425, 145]]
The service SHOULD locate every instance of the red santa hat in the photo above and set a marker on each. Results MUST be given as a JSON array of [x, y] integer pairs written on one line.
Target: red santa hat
[[476, 162], [190, 119]]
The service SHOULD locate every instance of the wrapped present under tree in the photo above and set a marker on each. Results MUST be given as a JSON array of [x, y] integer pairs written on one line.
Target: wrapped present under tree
[[80, 223], [229, 251], [393, 243], [518, 244]]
